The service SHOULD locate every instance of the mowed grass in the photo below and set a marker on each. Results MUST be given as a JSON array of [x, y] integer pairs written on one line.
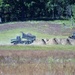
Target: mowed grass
[[32, 47], [6, 36], [67, 22]]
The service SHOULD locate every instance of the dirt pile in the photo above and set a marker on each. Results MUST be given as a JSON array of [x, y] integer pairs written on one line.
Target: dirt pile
[[45, 42], [68, 41], [50, 41], [72, 41], [55, 41], [39, 42]]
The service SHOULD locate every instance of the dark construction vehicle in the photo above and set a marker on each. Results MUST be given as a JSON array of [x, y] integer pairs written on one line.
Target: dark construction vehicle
[[25, 39], [72, 36]]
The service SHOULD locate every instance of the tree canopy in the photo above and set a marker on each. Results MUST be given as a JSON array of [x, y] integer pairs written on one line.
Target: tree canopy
[[19, 10]]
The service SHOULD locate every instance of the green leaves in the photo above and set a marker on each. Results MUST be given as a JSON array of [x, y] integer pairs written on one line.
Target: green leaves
[[28, 9]]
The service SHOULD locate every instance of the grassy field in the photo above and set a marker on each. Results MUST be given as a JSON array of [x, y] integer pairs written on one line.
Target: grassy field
[[40, 29], [53, 68], [67, 22], [6, 36], [32, 59], [31, 47]]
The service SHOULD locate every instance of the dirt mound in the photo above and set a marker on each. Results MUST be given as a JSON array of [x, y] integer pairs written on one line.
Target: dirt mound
[[54, 41], [65, 41], [51, 41], [39, 42], [44, 42], [72, 41]]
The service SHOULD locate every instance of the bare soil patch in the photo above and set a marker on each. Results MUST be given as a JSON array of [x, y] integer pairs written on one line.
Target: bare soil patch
[[42, 26]]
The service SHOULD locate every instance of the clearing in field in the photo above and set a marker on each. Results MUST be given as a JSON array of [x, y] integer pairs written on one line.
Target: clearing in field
[[36, 59]]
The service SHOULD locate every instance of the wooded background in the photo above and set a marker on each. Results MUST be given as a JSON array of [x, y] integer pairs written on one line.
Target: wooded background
[[21, 10]]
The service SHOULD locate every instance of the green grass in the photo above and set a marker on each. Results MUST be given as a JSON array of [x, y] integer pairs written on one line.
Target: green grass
[[61, 22], [6, 36], [68, 23], [32, 47], [61, 60]]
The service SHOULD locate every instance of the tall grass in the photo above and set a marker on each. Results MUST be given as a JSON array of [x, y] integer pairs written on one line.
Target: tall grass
[[37, 67]]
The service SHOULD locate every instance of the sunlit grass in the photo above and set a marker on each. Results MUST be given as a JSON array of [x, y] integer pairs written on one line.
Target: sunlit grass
[[32, 47], [67, 22], [6, 36]]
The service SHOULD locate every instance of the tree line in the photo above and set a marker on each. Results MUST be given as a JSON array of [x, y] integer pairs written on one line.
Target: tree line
[[21, 10]]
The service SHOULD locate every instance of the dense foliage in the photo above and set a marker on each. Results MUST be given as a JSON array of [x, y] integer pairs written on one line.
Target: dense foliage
[[15, 10]]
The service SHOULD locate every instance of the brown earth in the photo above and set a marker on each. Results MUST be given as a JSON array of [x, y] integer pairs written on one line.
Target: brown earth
[[29, 62], [39, 53], [54, 41], [41, 26]]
